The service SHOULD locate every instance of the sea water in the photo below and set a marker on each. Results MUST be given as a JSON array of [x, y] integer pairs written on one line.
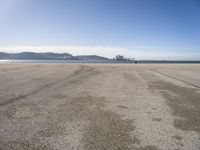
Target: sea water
[[95, 61]]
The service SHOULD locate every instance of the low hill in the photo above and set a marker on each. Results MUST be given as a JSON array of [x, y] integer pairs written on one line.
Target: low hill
[[44, 56], [91, 57], [48, 56]]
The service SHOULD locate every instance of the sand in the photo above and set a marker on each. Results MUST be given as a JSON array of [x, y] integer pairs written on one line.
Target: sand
[[99, 106]]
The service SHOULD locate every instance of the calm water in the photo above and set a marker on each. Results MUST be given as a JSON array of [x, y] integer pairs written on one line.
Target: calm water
[[55, 61], [91, 61]]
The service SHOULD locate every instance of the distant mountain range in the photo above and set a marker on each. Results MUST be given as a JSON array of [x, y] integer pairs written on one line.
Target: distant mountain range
[[48, 56]]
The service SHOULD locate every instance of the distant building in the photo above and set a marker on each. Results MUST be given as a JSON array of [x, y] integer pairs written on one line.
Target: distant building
[[120, 57]]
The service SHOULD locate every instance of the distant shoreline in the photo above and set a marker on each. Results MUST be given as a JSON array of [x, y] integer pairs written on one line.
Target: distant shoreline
[[28, 61], [51, 57]]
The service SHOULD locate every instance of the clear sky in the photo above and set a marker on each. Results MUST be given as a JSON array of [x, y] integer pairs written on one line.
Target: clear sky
[[145, 29]]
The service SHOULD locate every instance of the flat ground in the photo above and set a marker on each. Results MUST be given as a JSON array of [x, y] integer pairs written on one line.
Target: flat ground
[[99, 107]]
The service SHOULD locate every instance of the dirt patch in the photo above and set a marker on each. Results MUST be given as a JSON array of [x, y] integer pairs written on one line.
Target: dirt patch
[[178, 140], [156, 119], [177, 137], [184, 102], [108, 131], [122, 106]]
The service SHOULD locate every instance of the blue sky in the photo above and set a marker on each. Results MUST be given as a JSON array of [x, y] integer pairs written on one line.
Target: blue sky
[[145, 29]]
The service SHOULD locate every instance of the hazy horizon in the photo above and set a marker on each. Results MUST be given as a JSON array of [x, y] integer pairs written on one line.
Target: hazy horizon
[[134, 28]]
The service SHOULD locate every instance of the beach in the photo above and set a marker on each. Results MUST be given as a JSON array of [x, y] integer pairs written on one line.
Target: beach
[[100, 106]]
